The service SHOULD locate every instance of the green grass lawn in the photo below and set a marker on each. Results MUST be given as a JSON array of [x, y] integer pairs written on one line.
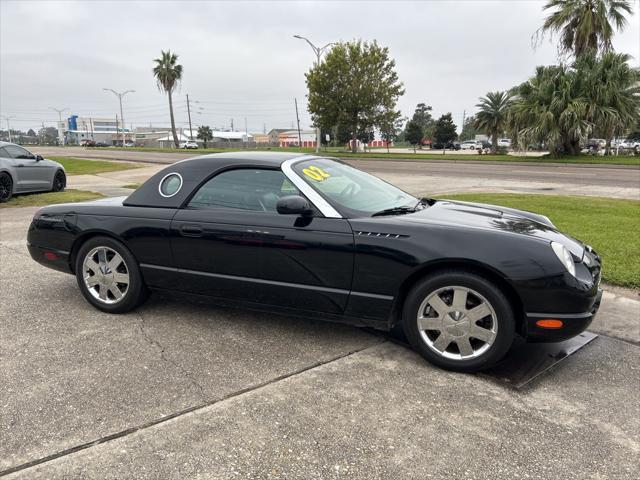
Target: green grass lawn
[[49, 198], [79, 166], [382, 154], [611, 227], [132, 186]]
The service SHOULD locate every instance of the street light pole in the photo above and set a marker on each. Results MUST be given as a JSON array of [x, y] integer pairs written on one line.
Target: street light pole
[[60, 136], [189, 113], [120, 95], [318, 51], [8, 126]]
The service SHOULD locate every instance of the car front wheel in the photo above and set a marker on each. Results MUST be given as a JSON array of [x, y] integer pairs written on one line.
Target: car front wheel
[[6, 187], [459, 320], [108, 275], [59, 181]]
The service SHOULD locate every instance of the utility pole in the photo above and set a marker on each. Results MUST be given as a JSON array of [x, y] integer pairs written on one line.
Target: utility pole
[[298, 120], [8, 126], [189, 113], [464, 113], [232, 125], [246, 132], [318, 51], [120, 95], [60, 127], [117, 128]]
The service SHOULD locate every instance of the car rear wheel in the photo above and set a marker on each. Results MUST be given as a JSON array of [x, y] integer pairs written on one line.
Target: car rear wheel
[[459, 320], [6, 187], [59, 181], [108, 275]]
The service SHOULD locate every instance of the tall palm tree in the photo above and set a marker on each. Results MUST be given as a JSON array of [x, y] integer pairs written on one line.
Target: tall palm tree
[[168, 74], [492, 116], [585, 25], [612, 89]]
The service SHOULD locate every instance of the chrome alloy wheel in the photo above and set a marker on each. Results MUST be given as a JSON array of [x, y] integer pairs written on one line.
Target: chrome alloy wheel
[[457, 323], [106, 275]]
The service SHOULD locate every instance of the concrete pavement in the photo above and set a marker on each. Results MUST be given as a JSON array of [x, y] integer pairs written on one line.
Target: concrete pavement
[[185, 390]]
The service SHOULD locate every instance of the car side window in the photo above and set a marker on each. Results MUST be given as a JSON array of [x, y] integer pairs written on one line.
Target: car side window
[[17, 152], [250, 189], [4, 153]]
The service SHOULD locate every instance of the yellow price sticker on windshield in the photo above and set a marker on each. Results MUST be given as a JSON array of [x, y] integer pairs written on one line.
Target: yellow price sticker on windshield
[[316, 173]]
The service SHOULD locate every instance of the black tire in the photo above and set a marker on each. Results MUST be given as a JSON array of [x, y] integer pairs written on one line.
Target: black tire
[[59, 181], [499, 322], [135, 293], [6, 187]]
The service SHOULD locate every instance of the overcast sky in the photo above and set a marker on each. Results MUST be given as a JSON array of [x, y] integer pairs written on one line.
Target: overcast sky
[[240, 60]]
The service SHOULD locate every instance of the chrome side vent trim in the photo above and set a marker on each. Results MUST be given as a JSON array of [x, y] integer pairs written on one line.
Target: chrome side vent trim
[[380, 235]]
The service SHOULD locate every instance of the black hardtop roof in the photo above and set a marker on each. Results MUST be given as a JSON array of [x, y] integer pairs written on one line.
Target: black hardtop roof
[[274, 159], [196, 170]]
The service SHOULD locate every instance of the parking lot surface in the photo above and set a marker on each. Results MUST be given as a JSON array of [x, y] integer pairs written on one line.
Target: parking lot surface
[[179, 389]]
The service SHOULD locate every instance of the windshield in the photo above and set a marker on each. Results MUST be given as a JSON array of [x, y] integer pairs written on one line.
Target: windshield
[[353, 191]]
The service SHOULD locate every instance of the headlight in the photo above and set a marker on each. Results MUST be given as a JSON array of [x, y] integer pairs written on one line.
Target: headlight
[[564, 256]]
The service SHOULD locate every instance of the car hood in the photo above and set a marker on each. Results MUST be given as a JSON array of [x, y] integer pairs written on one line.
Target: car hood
[[493, 217]]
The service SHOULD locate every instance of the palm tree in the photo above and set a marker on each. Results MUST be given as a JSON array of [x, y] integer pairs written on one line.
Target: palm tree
[[585, 25], [168, 74], [612, 89], [492, 117], [551, 108], [205, 134]]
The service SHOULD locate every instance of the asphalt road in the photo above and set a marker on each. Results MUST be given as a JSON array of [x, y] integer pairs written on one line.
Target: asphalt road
[[185, 390], [612, 177]]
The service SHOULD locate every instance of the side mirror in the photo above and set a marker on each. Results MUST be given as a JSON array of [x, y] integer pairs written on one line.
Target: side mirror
[[293, 205], [39, 158]]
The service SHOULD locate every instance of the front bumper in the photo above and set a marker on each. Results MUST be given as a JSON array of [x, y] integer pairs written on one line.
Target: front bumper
[[572, 323]]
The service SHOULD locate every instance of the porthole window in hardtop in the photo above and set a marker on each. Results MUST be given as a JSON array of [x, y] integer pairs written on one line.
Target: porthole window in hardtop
[[170, 184], [251, 189]]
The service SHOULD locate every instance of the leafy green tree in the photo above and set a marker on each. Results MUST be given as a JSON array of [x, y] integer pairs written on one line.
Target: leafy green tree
[[611, 88], [414, 133], [31, 132], [492, 115], [205, 134], [445, 130], [168, 74], [469, 130], [422, 116], [585, 25], [355, 86], [48, 135], [390, 127]]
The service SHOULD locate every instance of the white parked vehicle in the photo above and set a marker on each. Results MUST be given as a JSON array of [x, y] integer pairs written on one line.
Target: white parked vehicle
[[470, 145], [504, 142], [189, 144], [629, 144]]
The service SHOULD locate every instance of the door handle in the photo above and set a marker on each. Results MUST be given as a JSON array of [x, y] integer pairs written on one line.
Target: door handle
[[191, 230]]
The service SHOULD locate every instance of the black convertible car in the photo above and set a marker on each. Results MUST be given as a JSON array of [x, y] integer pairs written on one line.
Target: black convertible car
[[320, 238]]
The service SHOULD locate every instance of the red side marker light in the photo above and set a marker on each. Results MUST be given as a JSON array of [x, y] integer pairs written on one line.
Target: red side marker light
[[549, 323], [50, 256]]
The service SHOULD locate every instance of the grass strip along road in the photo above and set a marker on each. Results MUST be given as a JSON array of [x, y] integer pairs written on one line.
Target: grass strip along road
[[78, 166], [381, 154], [610, 226], [50, 198]]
